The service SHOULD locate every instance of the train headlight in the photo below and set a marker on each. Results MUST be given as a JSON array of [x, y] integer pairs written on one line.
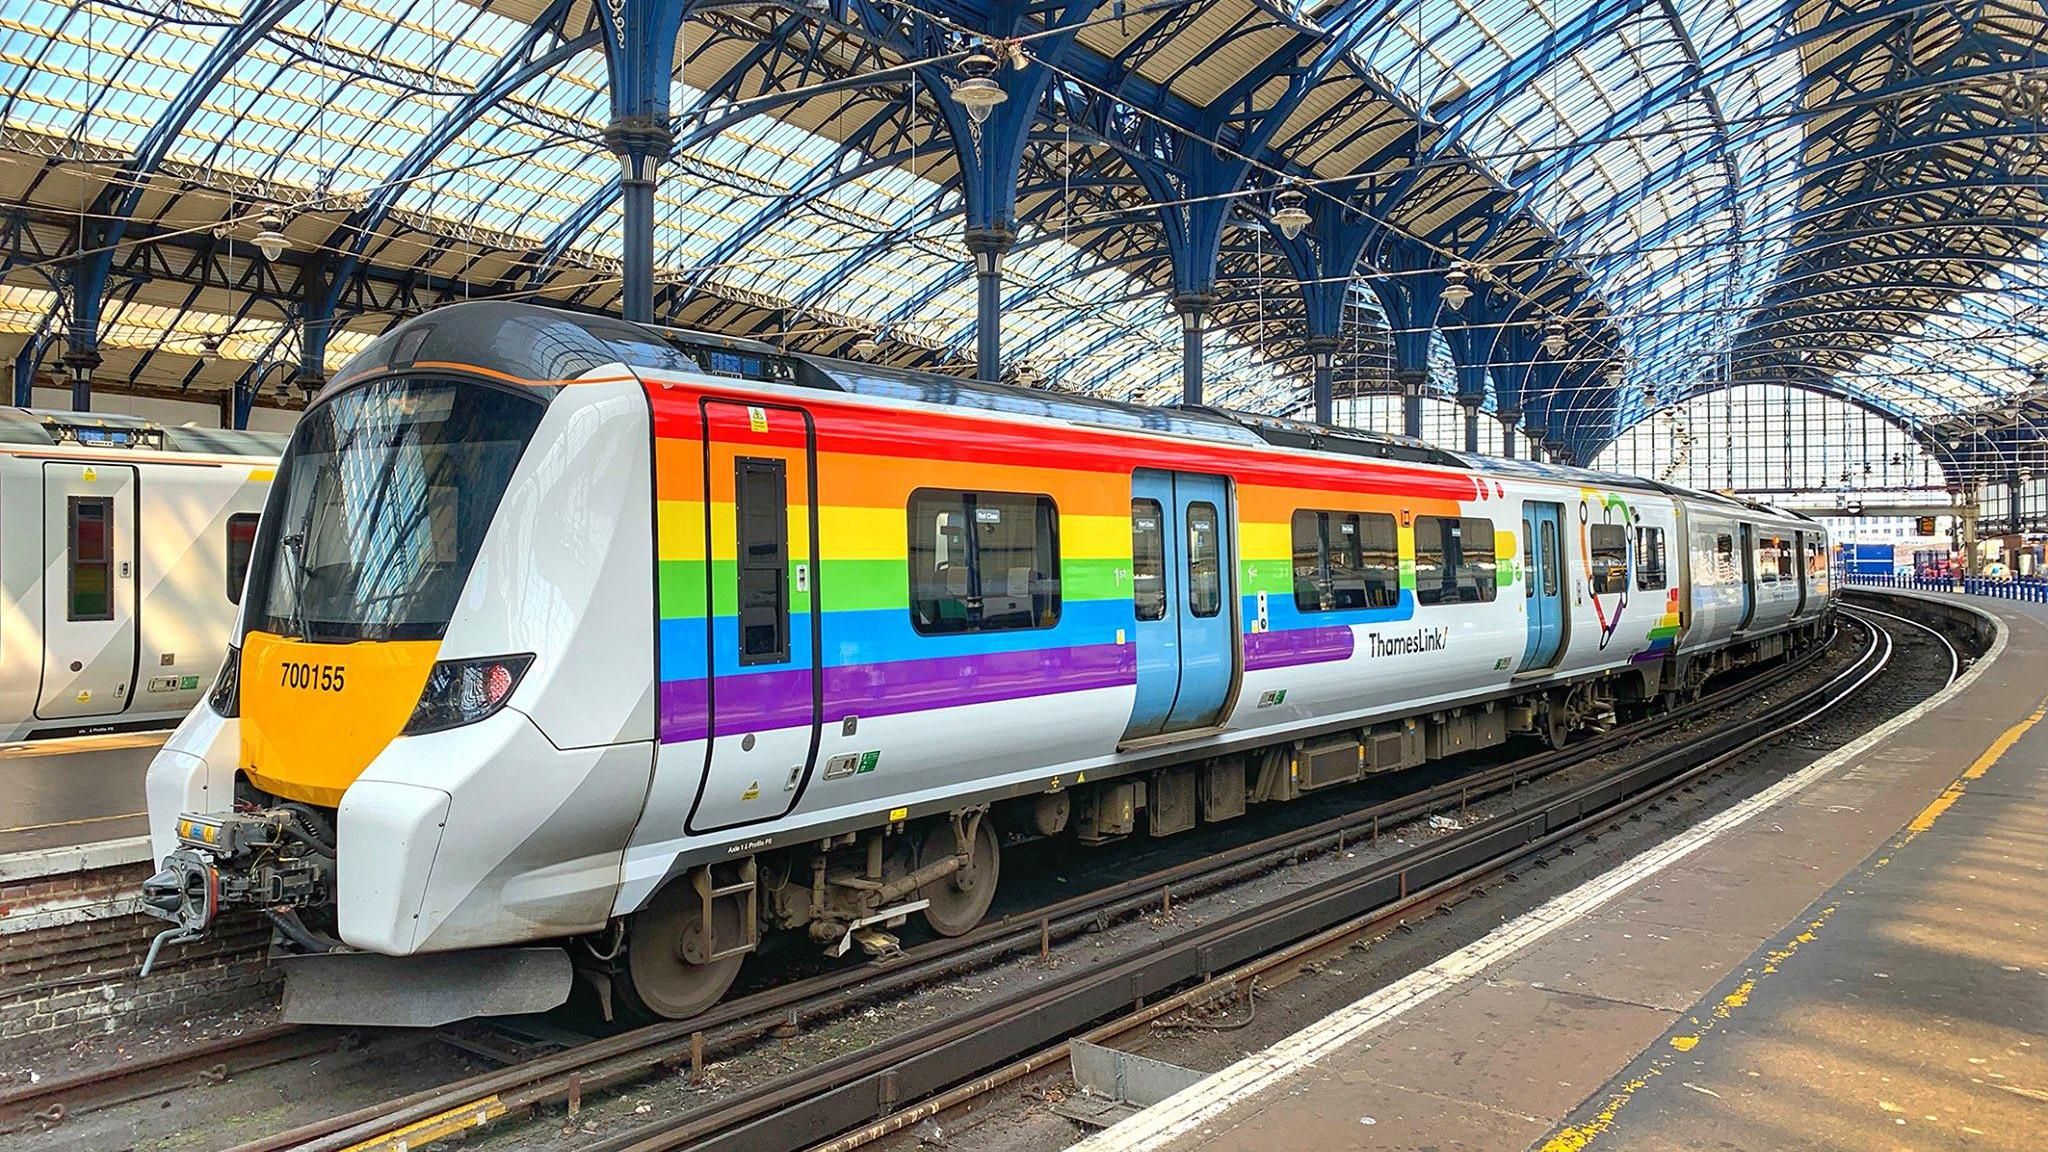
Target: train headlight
[[226, 697], [462, 692]]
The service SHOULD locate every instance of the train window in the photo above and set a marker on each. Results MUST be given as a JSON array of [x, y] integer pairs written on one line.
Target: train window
[[1724, 558], [1148, 559], [1528, 561], [1552, 578], [1609, 572], [761, 513], [90, 586], [1205, 560], [1767, 560], [1454, 560], [983, 561], [241, 546], [1650, 573], [1345, 560]]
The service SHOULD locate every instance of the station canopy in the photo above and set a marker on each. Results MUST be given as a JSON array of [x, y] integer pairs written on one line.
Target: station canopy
[[1701, 192]]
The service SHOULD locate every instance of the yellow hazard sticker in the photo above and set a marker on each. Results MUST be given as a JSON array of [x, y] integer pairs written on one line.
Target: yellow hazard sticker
[[899, 814], [91, 474], [757, 418], [753, 791]]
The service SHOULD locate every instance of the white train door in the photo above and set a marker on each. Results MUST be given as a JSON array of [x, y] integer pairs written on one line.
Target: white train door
[[88, 590], [766, 682]]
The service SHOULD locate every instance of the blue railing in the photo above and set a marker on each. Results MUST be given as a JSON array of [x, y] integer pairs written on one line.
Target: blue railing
[[2031, 589]]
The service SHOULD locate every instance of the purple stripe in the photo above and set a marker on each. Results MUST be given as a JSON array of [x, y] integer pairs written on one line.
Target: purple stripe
[[764, 701], [1294, 646]]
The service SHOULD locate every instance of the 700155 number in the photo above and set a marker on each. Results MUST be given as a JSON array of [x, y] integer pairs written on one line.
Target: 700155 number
[[313, 677]]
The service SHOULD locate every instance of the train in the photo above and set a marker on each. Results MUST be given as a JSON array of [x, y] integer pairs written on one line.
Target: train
[[123, 545], [583, 651]]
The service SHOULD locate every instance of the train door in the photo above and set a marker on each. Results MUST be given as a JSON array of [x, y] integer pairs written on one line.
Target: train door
[[1746, 545], [88, 590], [1184, 558], [1543, 585], [761, 529], [1799, 570]]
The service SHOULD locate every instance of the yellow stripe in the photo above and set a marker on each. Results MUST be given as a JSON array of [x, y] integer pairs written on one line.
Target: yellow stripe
[[854, 533], [424, 1132], [1977, 768], [262, 475]]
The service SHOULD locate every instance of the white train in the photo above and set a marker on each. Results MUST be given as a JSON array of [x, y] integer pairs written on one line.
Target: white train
[[572, 644], [123, 546]]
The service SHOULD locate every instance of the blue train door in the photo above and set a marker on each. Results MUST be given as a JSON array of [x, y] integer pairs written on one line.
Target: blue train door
[[1543, 583], [1183, 558]]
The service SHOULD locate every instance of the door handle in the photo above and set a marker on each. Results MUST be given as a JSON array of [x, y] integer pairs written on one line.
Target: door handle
[[124, 569], [803, 577]]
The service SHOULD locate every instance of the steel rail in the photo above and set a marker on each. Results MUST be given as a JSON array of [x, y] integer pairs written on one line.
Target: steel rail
[[615, 1060], [208, 1062], [793, 1111]]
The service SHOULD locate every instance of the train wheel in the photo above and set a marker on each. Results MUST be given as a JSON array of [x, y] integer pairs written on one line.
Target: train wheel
[[1557, 723], [659, 981], [959, 901]]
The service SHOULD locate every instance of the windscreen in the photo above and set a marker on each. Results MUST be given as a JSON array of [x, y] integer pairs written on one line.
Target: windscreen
[[381, 502]]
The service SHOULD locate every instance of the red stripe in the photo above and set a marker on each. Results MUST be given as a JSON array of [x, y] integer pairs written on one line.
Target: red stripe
[[846, 425]]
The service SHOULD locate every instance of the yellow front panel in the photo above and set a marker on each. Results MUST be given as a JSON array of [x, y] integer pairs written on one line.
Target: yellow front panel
[[315, 715]]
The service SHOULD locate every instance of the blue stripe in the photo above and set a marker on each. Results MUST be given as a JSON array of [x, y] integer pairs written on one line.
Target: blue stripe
[[884, 635], [1282, 615]]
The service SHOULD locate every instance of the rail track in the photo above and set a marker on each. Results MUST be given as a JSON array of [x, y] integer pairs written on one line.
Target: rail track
[[852, 1092], [860, 1093]]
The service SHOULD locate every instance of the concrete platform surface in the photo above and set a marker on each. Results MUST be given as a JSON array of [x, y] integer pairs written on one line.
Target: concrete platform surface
[[57, 793], [1855, 958]]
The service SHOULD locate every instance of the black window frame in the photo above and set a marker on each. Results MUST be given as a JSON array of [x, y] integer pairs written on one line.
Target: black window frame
[[1653, 571], [238, 566], [761, 566], [1317, 532], [922, 510], [1609, 571], [74, 563], [1214, 584], [1457, 564], [1151, 606]]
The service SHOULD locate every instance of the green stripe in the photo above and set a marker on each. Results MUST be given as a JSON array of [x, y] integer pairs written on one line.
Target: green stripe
[[860, 585]]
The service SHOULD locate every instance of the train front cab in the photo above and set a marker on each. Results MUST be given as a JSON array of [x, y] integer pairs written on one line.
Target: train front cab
[[436, 720]]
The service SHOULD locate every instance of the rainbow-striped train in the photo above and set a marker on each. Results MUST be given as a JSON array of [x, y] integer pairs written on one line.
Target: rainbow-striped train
[[577, 646]]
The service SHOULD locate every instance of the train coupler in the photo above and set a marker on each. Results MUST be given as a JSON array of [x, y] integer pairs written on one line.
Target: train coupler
[[266, 860]]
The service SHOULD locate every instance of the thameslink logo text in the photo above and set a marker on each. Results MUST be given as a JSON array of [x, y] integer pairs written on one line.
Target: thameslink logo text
[[1420, 640]]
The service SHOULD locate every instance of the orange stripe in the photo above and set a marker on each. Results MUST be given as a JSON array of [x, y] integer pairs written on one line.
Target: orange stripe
[[456, 366], [1257, 502]]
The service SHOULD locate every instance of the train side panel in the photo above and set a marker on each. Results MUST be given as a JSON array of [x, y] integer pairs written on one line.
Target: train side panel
[[1623, 587], [158, 543]]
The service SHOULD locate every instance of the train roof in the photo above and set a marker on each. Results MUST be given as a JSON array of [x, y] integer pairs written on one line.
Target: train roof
[[548, 345], [45, 429]]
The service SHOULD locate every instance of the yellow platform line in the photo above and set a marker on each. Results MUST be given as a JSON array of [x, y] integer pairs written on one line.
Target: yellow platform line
[[71, 823]]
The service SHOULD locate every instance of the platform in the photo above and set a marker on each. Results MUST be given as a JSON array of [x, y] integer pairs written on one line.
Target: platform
[[1855, 958], [74, 791]]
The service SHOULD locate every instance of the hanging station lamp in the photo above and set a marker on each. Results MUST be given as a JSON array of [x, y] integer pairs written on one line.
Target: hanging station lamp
[[1553, 338], [1457, 287], [270, 237], [1289, 212], [979, 93]]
